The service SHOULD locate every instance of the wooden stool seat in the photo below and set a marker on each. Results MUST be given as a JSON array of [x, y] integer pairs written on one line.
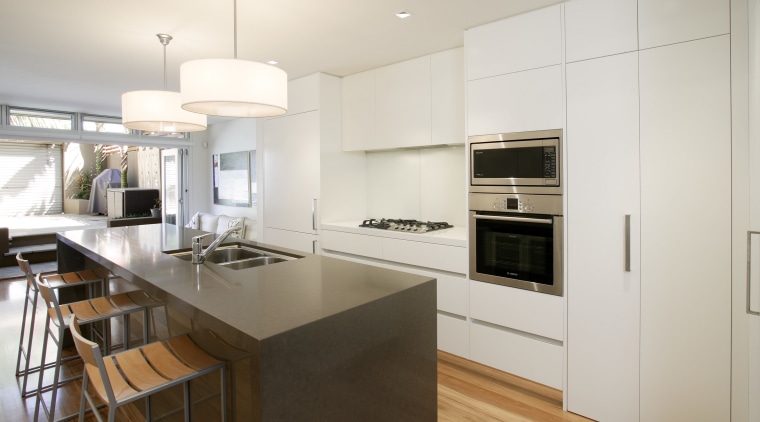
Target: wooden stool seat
[[138, 373]]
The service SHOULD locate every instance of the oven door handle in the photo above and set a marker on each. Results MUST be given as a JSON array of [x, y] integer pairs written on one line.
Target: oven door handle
[[515, 219]]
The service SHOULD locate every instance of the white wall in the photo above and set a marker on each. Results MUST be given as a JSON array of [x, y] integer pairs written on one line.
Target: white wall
[[423, 184], [228, 136]]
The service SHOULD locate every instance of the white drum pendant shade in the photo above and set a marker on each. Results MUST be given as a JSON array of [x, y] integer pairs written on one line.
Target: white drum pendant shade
[[158, 111], [233, 88]]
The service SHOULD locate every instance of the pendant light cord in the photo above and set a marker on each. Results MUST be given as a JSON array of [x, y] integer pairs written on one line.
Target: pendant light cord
[[234, 25], [164, 67], [164, 39]]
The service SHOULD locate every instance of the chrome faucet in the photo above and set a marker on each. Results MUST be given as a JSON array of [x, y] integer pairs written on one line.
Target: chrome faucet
[[199, 255]]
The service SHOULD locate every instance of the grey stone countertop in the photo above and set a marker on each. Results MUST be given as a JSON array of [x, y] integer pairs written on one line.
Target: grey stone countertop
[[260, 302]]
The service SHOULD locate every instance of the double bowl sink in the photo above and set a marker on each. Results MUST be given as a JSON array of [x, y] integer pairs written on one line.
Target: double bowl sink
[[237, 256]]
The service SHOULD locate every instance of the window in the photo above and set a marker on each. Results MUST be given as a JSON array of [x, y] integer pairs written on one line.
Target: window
[[28, 117], [104, 124]]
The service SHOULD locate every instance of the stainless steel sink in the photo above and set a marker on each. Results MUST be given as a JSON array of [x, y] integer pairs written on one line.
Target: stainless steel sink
[[253, 262], [237, 257]]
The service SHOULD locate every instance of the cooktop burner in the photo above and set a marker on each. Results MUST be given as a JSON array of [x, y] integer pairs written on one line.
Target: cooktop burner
[[412, 226]]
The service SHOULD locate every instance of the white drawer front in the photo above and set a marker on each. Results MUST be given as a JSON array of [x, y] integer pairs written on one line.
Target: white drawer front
[[535, 360], [453, 291], [428, 255], [536, 313], [355, 244], [454, 335]]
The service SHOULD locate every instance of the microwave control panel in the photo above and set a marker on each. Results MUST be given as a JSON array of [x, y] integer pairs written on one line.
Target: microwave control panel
[[550, 163]]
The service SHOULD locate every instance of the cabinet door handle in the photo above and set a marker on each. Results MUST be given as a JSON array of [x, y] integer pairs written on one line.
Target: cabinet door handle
[[749, 273], [314, 247], [628, 243], [314, 214]]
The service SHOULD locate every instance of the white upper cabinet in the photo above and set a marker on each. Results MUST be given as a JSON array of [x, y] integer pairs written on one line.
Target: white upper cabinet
[[516, 102], [447, 78], [303, 94], [358, 111], [402, 104], [415, 103], [527, 41], [673, 21], [597, 28]]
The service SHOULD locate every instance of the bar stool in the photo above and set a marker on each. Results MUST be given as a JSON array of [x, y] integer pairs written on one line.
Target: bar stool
[[56, 281], [100, 309], [138, 373]]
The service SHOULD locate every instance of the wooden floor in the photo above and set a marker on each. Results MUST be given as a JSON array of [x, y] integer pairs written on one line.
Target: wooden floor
[[467, 391]]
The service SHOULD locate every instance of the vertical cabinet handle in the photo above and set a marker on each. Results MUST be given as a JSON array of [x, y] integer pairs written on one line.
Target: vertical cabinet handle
[[314, 247], [628, 243], [314, 213], [749, 273]]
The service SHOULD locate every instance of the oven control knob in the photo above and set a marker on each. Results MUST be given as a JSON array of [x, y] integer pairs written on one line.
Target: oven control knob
[[527, 207]]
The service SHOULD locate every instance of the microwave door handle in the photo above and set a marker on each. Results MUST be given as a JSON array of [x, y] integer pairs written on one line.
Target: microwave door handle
[[515, 219]]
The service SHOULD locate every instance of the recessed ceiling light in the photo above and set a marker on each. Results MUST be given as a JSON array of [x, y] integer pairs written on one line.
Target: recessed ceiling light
[[272, 62], [403, 14]]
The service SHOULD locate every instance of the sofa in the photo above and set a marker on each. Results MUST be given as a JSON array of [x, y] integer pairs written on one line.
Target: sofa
[[219, 223]]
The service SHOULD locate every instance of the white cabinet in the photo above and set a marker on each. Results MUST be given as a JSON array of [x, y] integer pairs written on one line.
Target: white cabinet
[[603, 298], [528, 41], [415, 103], [303, 94], [358, 111], [597, 28], [516, 102], [447, 97], [686, 231], [299, 241], [673, 21], [291, 171], [445, 262], [402, 104], [652, 343], [306, 177]]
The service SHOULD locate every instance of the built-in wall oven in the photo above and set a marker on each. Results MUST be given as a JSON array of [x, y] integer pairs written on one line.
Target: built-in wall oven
[[516, 217]]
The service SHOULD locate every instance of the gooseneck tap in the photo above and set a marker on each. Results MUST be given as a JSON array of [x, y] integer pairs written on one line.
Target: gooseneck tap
[[199, 255]]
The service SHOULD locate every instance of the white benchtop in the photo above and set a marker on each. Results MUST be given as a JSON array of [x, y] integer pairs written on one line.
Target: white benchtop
[[455, 236]]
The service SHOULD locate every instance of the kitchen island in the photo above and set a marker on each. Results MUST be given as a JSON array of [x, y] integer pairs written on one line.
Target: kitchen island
[[327, 339]]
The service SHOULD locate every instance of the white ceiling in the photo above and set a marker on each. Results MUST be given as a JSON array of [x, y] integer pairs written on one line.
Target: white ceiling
[[82, 55]]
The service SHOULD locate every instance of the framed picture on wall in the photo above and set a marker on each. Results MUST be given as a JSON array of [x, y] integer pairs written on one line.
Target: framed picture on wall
[[232, 179]]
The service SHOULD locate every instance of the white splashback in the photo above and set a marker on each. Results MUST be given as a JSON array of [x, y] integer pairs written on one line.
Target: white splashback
[[423, 184]]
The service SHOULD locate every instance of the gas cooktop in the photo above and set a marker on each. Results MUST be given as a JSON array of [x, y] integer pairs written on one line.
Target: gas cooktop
[[411, 226]]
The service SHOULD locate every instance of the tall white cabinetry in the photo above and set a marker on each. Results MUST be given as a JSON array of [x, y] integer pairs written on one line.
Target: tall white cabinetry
[[515, 83], [648, 135], [686, 231], [604, 279], [291, 180], [306, 177]]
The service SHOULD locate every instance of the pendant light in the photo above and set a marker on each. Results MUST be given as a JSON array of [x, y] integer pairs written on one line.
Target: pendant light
[[159, 112], [233, 87]]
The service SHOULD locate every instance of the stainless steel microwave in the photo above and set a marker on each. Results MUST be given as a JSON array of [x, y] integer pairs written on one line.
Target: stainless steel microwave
[[524, 162]]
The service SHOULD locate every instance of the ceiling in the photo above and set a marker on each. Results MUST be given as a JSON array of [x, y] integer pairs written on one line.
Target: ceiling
[[82, 55]]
